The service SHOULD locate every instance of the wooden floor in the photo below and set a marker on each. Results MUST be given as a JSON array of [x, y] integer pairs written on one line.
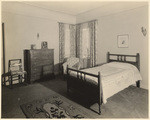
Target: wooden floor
[[129, 103]]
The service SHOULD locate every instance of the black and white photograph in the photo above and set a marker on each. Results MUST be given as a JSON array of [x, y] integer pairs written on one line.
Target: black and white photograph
[[74, 59], [44, 45]]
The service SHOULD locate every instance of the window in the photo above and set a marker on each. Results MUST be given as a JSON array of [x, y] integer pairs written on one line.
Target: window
[[67, 43], [85, 43]]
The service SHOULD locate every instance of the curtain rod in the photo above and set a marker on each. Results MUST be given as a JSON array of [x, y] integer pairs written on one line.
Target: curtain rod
[[67, 23], [86, 21], [79, 23]]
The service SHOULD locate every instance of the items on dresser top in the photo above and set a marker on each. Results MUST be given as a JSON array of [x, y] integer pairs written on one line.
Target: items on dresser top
[[39, 63]]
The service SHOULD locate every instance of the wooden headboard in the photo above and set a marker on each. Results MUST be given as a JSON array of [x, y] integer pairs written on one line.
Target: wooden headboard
[[123, 58]]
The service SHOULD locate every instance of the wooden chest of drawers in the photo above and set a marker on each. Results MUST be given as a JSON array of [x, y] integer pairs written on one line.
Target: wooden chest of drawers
[[38, 63]]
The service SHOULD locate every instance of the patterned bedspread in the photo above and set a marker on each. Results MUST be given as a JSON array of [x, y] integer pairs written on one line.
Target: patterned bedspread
[[115, 76]]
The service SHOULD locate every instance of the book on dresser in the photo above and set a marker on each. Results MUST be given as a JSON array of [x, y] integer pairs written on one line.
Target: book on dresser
[[39, 64]]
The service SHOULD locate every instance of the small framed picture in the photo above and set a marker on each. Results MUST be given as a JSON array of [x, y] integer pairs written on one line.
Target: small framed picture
[[44, 45], [123, 41]]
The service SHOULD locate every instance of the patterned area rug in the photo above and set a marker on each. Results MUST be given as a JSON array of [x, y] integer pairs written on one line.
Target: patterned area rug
[[51, 107]]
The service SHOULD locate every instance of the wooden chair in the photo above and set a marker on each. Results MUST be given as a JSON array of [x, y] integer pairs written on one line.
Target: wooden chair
[[16, 71], [3, 78]]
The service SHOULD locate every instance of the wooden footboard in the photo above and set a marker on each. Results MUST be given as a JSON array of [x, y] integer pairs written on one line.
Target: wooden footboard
[[80, 83]]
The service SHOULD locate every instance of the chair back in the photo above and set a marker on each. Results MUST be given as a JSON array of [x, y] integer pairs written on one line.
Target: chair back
[[15, 65], [72, 61]]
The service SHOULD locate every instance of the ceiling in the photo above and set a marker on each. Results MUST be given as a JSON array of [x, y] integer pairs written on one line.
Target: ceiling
[[79, 7]]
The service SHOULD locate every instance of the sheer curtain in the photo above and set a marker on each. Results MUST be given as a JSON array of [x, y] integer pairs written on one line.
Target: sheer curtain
[[93, 42], [61, 42], [67, 41], [86, 40], [86, 43]]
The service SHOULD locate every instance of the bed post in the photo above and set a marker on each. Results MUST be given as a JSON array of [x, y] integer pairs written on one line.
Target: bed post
[[67, 80], [138, 66], [99, 92], [67, 69], [138, 83], [138, 60], [108, 57]]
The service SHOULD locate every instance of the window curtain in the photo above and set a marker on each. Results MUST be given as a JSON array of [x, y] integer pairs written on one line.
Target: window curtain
[[72, 29], [93, 42], [78, 41], [61, 42], [67, 42], [86, 36]]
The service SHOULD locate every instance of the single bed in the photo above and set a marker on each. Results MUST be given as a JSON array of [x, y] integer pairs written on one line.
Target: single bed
[[106, 80]]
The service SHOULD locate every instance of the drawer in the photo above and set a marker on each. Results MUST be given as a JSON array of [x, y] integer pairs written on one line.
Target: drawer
[[35, 53], [35, 77], [35, 70], [41, 56], [35, 64], [47, 62], [48, 69], [47, 55], [36, 58], [42, 69], [41, 63], [42, 53]]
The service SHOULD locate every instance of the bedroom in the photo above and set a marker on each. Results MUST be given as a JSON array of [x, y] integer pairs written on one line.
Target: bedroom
[[27, 23]]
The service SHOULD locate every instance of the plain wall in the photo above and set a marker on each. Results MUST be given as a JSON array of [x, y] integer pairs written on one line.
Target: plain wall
[[22, 24], [126, 22]]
